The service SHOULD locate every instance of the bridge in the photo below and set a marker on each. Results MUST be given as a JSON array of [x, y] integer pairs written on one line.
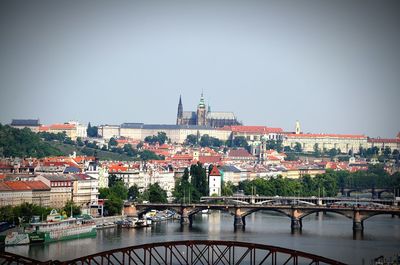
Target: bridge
[[248, 199], [375, 192], [188, 252], [296, 212]]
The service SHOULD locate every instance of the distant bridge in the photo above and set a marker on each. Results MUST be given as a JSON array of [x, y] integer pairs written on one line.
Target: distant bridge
[[313, 200], [296, 213], [375, 192]]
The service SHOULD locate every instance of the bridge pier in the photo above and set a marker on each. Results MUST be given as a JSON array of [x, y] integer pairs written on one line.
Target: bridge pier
[[358, 226], [296, 219], [296, 224], [239, 221], [358, 223], [186, 219]]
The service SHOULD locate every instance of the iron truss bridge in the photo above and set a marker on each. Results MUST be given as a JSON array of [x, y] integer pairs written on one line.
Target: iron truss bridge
[[189, 252]]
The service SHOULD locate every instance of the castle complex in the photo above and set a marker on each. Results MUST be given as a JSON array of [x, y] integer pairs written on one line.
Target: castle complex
[[204, 116]]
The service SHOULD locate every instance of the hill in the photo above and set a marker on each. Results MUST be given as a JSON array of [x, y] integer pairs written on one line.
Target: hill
[[24, 143]]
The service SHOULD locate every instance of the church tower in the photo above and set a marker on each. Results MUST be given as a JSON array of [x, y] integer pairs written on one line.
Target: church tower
[[179, 115], [201, 112], [298, 130]]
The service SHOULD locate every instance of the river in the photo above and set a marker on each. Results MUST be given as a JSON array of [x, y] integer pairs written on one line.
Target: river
[[329, 235]]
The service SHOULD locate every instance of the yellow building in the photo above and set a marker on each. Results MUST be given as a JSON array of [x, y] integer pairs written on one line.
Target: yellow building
[[344, 142]]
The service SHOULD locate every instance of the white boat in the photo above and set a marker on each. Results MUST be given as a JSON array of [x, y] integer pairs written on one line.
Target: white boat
[[57, 227]]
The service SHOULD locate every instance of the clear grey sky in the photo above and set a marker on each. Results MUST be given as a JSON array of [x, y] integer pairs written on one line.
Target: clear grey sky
[[332, 65]]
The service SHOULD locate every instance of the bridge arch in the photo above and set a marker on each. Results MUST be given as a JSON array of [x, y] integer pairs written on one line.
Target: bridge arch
[[145, 210], [379, 193], [248, 212], [196, 251], [369, 215]]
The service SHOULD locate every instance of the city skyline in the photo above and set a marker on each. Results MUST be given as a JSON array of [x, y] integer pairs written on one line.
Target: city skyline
[[333, 66]]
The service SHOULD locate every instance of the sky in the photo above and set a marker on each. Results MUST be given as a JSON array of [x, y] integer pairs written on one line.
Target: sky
[[332, 65]]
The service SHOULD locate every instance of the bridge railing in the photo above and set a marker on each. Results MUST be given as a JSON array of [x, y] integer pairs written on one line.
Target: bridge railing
[[203, 252], [11, 258]]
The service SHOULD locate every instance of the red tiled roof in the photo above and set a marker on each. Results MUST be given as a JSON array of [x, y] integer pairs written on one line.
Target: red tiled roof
[[164, 146], [210, 159], [207, 150], [80, 159], [117, 168], [17, 185], [273, 158], [37, 185], [254, 129], [239, 153], [62, 126], [4, 187], [57, 127], [161, 152], [215, 172], [181, 157], [323, 135]]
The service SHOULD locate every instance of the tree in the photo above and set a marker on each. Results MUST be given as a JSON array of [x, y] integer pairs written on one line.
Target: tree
[[298, 148], [68, 140], [119, 190], [191, 139], [291, 157], [25, 143], [227, 188], [129, 150], [92, 131], [112, 142], [113, 205], [199, 178], [184, 191], [103, 193], [139, 145], [206, 140], [162, 137], [332, 152], [362, 152], [113, 179], [317, 151], [150, 139], [149, 155], [275, 145], [387, 151], [79, 141], [133, 192], [239, 141], [287, 149], [76, 210], [155, 194]]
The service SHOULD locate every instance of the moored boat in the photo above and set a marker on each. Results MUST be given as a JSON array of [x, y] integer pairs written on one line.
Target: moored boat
[[55, 228], [135, 223]]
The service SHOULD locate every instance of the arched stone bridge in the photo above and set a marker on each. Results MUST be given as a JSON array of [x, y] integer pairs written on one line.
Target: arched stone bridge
[[375, 192], [295, 212], [313, 200]]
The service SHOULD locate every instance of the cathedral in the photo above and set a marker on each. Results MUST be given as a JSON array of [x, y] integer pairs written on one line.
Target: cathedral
[[204, 116]]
